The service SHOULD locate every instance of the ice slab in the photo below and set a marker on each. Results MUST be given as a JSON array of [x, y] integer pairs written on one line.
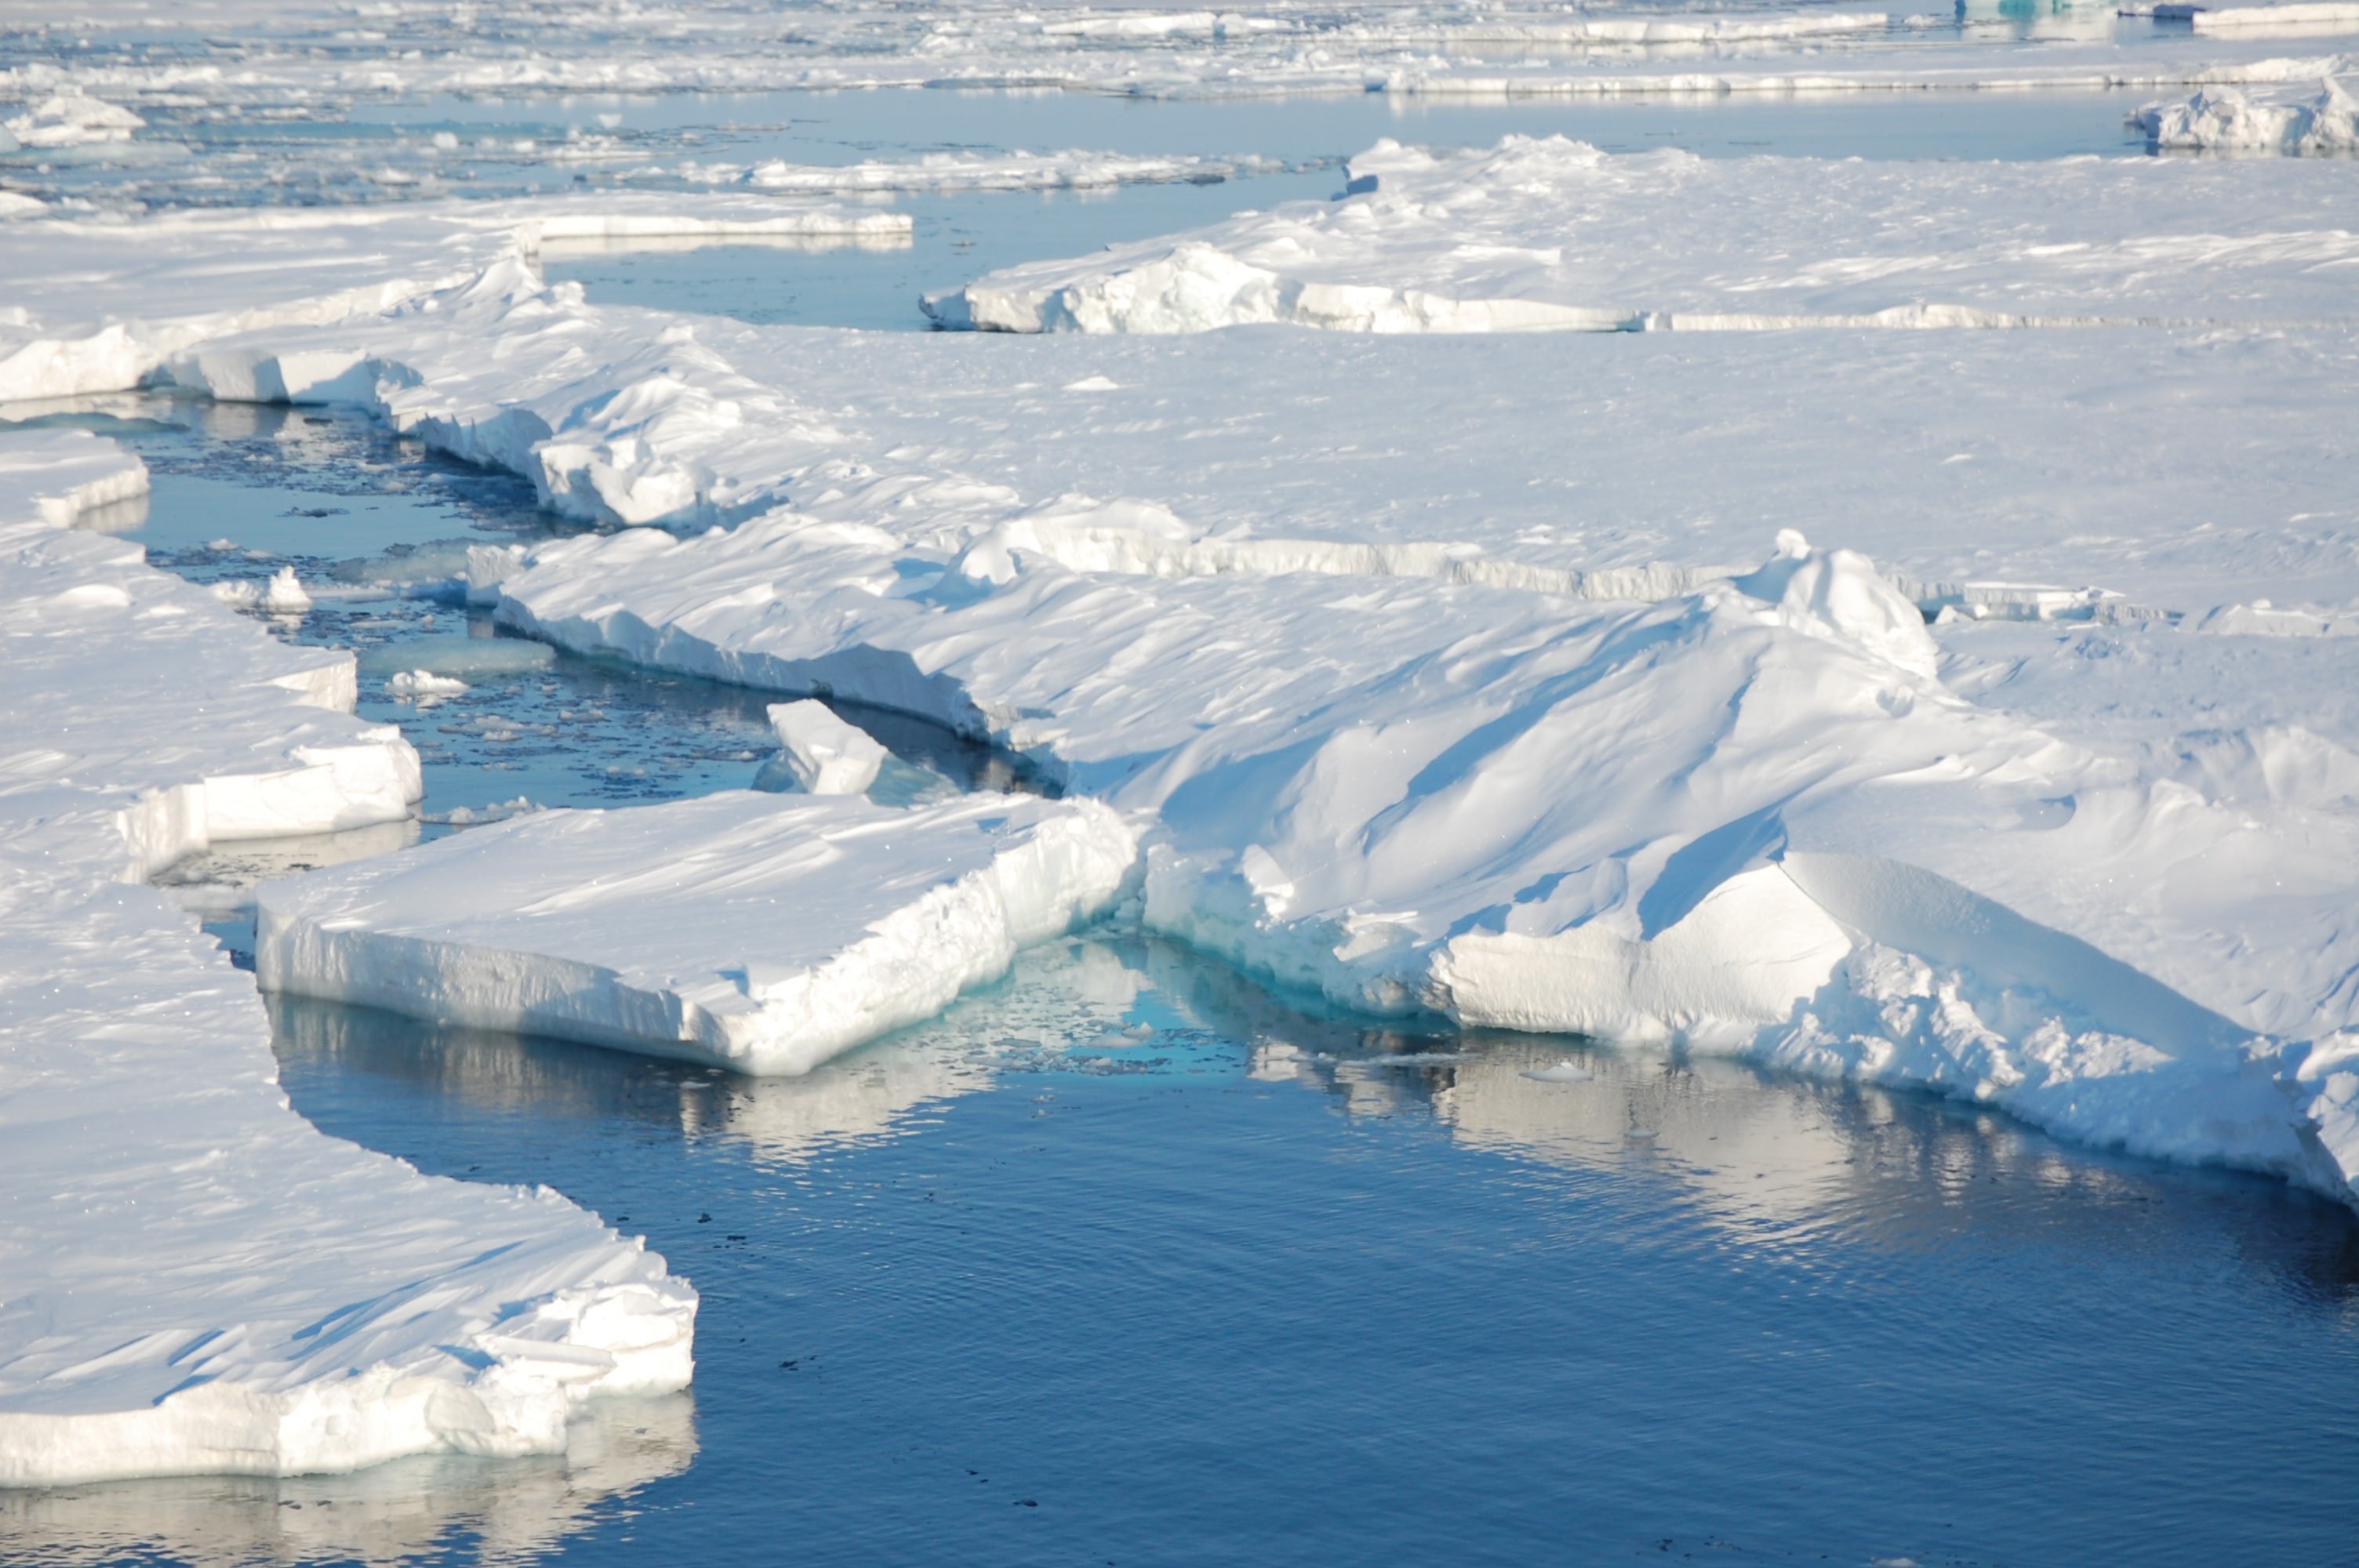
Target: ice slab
[[763, 933], [1549, 234], [826, 755], [197, 1281]]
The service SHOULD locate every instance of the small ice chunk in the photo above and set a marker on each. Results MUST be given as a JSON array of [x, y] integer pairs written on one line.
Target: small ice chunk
[[282, 595], [221, 546], [1639, 1134], [1562, 1073], [826, 755], [1093, 383], [424, 683]]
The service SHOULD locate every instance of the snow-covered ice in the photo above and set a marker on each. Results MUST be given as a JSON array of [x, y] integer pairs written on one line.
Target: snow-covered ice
[[826, 755], [1548, 234], [1072, 169], [99, 305], [2295, 19], [763, 933], [197, 1281], [2223, 119]]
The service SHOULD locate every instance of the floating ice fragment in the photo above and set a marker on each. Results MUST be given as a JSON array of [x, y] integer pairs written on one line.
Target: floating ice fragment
[[424, 683], [756, 932], [826, 756], [73, 120], [1639, 1134], [1562, 1073], [458, 658], [282, 595]]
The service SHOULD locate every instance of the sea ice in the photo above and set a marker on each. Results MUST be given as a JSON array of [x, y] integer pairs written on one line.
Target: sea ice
[[826, 755], [763, 933], [2224, 119], [197, 1281], [2296, 19], [1548, 234]]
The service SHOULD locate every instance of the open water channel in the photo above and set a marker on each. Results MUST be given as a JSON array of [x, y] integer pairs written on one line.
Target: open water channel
[[1128, 1262]]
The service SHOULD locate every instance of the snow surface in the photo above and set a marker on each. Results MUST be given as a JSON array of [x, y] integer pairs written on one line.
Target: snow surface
[[826, 755], [194, 1281], [2224, 119], [1549, 234], [762, 932]]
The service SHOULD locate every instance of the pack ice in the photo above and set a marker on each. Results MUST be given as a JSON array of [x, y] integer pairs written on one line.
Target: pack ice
[[1748, 816], [762, 932], [192, 1278], [1549, 234]]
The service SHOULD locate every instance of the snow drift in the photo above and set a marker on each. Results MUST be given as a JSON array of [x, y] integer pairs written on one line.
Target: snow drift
[[762, 932]]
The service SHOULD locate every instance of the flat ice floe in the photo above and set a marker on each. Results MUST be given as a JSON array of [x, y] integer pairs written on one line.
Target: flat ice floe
[[763, 933], [1546, 234], [1070, 170], [99, 304], [193, 1279]]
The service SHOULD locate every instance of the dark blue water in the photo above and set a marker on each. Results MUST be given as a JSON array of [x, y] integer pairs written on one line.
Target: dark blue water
[[1127, 1263]]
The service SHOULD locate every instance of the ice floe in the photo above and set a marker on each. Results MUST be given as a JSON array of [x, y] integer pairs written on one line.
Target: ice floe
[[68, 120], [197, 1281], [100, 304], [1410, 796], [2224, 119], [2299, 18], [763, 933], [1070, 170], [1548, 234]]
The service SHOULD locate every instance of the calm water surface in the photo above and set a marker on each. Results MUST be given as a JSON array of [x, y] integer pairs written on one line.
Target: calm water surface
[[1125, 1262]]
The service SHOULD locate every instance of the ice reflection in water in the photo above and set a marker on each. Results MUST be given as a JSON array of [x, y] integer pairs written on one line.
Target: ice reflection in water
[[498, 1511], [1204, 1277]]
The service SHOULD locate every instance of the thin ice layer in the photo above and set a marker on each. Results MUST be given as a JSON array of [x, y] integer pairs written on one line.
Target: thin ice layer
[[764, 933], [193, 1279], [1548, 234]]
